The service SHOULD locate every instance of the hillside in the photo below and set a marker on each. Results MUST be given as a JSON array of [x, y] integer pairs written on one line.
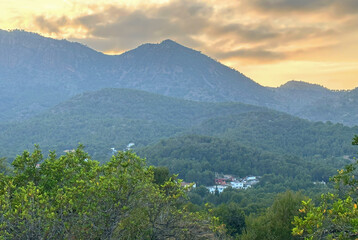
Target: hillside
[[111, 118], [171, 69], [316, 103], [38, 73], [47, 71], [115, 117], [340, 107], [280, 132], [197, 158]]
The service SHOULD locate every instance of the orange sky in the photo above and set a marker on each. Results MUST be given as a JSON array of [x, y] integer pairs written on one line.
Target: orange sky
[[270, 41]]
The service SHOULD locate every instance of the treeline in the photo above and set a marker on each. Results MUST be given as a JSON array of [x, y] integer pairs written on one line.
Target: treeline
[[197, 158]]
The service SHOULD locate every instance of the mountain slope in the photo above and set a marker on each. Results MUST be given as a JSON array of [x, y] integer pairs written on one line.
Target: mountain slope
[[111, 118], [115, 117], [282, 133], [37, 73], [171, 69]]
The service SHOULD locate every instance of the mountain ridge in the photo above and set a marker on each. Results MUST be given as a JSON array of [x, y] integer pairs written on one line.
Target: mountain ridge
[[37, 73]]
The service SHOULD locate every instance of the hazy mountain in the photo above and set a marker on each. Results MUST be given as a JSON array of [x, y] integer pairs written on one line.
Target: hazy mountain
[[317, 103], [37, 73], [171, 69]]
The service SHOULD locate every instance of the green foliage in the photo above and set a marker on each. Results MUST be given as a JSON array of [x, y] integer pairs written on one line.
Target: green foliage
[[111, 118], [162, 175], [275, 222], [114, 117], [232, 216], [197, 158], [336, 216], [4, 166], [282, 133], [73, 197]]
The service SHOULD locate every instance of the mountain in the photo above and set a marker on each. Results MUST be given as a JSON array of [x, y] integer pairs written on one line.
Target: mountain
[[317, 103], [37, 73], [171, 69], [196, 158]]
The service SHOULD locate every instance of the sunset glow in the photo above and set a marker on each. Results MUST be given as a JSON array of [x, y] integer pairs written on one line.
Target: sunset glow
[[271, 42]]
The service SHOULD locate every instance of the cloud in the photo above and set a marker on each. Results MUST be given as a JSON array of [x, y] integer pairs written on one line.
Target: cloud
[[52, 25], [290, 5], [252, 55], [234, 29], [338, 7]]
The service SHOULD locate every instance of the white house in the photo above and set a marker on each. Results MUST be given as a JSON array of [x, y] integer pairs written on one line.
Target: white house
[[237, 185], [213, 188]]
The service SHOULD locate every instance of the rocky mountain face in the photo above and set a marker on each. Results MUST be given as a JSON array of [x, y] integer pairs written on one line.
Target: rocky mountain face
[[37, 73]]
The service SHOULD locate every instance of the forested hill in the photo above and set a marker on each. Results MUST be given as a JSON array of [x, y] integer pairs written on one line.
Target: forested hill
[[280, 132], [197, 158], [36, 73], [111, 118], [136, 104], [115, 117]]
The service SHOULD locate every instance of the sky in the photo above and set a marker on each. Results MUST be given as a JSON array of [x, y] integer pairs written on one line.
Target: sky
[[270, 41]]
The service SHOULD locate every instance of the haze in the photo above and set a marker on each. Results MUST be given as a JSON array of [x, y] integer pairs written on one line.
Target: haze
[[272, 42]]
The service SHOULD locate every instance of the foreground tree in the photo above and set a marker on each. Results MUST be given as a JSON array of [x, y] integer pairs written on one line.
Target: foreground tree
[[275, 222], [336, 216], [73, 197]]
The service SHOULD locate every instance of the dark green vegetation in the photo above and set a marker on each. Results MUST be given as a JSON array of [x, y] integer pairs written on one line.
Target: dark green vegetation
[[111, 118], [197, 158], [279, 132], [37, 73], [336, 214], [114, 117], [73, 197]]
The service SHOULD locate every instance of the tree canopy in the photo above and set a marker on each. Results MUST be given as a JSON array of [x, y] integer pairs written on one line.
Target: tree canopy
[[74, 197], [336, 216]]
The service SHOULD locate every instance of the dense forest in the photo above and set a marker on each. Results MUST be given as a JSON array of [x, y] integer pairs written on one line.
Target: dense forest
[[115, 117], [74, 197]]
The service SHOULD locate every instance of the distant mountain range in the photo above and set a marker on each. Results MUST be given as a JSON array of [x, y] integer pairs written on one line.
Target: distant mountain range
[[36, 73]]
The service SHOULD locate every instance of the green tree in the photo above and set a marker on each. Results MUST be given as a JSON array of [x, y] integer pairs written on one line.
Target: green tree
[[74, 197], [275, 222], [336, 216], [232, 216], [4, 166]]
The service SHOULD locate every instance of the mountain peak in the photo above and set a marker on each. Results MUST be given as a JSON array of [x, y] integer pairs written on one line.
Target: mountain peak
[[169, 43], [300, 85]]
